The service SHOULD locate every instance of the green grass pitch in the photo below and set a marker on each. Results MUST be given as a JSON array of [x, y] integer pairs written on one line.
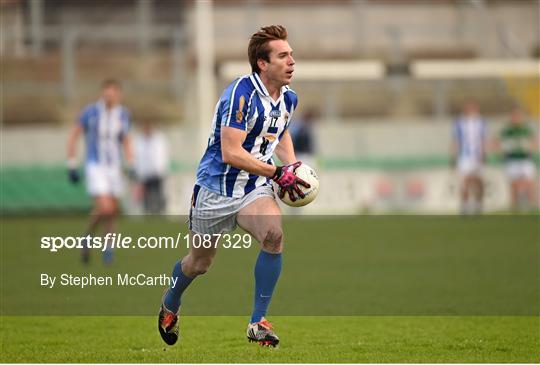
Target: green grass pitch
[[353, 289], [304, 340]]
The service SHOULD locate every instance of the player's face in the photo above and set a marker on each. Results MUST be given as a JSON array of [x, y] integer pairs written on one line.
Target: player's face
[[111, 95], [516, 117], [281, 66], [471, 109]]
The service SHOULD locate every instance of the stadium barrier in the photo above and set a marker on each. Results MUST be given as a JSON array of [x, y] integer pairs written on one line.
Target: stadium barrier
[[415, 184]]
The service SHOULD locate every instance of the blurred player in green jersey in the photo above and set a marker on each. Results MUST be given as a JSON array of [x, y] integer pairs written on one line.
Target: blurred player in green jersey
[[517, 144]]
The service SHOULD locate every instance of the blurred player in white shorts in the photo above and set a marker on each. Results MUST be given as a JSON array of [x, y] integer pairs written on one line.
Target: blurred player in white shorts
[[234, 179], [517, 143], [468, 156], [105, 125]]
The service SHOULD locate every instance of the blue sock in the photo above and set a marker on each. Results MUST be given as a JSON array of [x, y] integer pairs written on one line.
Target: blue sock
[[267, 270], [172, 298]]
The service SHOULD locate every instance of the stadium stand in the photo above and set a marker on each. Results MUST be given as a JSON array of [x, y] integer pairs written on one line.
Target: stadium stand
[[56, 52]]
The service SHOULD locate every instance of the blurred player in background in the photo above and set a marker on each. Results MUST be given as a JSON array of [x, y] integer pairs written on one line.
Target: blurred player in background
[[234, 178], [303, 139], [468, 156], [517, 145], [105, 125], [151, 166]]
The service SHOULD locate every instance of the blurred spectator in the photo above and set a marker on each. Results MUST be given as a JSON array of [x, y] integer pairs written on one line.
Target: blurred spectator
[[105, 125], [151, 166], [468, 156], [517, 144], [301, 131]]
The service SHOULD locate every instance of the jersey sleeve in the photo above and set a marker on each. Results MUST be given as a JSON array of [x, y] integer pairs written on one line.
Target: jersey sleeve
[[291, 102], [455, 130], [484, 130], [529, 130], [502, 132], [84, 118], [234, 107], [125, 118]]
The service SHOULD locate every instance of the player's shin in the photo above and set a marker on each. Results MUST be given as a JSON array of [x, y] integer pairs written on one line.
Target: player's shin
[[174, 293], [267, 271]]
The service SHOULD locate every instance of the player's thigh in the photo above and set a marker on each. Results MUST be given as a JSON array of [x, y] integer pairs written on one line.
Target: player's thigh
[[260, 218], [472, 179], [477, 180], [115, 183], [114, 203], [96, 180], [105, 204], [529, 171]]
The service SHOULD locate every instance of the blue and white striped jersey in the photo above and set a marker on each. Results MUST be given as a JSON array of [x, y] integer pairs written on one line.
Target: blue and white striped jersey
[[245, 104], [104, 131], [470, 134]]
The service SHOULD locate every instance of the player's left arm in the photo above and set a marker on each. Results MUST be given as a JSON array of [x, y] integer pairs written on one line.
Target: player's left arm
[[285, 176], [129, 153], [485, 143], [534, 141], [128, 150], [129, 156], [285, 149], [454, 145]]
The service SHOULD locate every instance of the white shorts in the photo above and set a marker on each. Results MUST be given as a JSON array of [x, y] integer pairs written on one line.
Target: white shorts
[[213, 213], [520, 169], [469, 166], [104, 180]]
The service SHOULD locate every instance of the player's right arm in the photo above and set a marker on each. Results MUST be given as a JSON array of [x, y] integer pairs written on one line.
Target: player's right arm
[[486, 146], [78, 128], [454, 146], [534, 141], [73, 139], [497, 144], [234, 121], [235, 155]]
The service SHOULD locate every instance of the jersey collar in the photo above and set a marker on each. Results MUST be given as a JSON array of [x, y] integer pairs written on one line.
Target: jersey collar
[[257, 82], [102, 106]]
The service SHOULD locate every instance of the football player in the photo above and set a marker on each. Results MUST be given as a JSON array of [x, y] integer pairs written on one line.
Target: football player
[[469, 150], [105, 125], [234, 178], [517, 145]]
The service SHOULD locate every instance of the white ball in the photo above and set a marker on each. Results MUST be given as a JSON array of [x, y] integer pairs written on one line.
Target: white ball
[[309, 175]]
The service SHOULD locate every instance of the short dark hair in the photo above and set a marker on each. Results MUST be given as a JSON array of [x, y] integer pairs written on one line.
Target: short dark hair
[[258, 44], [111, 82]]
